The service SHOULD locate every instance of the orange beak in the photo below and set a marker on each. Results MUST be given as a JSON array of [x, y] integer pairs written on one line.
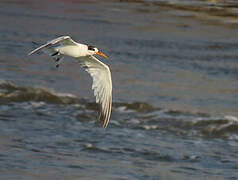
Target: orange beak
[[101, 54]]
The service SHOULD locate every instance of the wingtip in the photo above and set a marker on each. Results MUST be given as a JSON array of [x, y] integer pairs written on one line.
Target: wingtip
[[30, 53], [106, 122], [105, 126]]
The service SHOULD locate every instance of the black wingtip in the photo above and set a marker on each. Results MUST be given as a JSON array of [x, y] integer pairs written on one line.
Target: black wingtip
[[33, 42]]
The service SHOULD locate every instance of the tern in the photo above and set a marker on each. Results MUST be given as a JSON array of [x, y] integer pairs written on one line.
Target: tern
[[100, 72]]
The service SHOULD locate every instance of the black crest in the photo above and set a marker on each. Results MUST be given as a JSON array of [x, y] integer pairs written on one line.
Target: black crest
[[91, 48]]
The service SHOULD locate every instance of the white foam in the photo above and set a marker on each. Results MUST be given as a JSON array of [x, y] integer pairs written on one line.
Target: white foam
[[231, 118], [37, 104], [123, 109], [65, 95]]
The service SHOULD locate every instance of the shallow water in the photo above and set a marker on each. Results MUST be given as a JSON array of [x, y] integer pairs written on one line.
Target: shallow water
[[174, 69]]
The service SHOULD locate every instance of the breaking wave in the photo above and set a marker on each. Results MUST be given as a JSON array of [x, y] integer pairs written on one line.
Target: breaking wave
[[136, 115]]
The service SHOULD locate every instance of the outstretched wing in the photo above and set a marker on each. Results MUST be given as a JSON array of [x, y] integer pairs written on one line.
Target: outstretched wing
[[102, 86], [63, 40]]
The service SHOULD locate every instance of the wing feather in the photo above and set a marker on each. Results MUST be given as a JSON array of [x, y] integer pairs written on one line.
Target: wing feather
[[100, 73], [102, 86], [63, 40]]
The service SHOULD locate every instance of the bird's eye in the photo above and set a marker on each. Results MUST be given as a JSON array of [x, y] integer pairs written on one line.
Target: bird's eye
[[91, 48]]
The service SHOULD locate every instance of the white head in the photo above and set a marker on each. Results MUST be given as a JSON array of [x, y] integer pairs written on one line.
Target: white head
[[93, 50]]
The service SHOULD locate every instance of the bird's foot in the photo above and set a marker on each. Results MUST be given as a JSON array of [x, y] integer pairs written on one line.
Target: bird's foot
[[57, 59]]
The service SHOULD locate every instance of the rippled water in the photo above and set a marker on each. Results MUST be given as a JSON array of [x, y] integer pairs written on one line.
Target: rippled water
[[174, 69]]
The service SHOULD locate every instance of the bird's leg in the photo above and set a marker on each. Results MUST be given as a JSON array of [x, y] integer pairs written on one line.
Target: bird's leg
[[57, 56], [58, 60]]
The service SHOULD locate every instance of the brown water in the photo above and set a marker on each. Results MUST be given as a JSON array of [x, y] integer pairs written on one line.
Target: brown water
[[175, 91]]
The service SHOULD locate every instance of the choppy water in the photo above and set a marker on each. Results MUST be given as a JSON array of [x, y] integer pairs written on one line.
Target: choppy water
[[174, 69]]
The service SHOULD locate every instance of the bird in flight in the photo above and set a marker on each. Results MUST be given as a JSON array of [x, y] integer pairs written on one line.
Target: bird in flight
[[100, 72]]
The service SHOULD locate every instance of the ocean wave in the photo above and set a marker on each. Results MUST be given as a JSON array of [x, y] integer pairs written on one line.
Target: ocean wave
[[208, 9], [134, 115], [181, 123], [10, 92]]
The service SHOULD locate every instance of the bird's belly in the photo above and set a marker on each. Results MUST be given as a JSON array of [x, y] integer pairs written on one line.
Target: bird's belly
[[72, 51]]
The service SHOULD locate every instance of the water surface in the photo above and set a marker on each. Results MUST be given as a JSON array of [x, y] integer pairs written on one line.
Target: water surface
[[174, 69]]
